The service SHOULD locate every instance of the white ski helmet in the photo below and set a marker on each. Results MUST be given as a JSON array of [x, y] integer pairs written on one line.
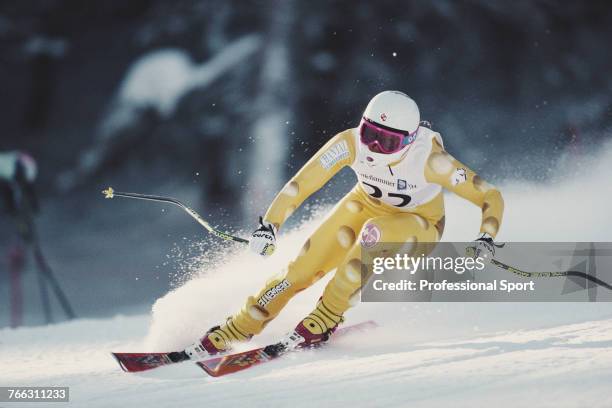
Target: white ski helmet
[[393, 110]]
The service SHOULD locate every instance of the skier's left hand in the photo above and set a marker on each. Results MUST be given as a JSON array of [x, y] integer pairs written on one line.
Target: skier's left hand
[[483, 247], [263, 239]]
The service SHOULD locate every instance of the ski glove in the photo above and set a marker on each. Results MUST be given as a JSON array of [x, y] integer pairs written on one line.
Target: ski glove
[[483, 247], [263, 239]]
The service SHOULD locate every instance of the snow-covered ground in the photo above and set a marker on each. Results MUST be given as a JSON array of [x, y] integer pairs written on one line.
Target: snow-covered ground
[[422, 355], [563, 366]]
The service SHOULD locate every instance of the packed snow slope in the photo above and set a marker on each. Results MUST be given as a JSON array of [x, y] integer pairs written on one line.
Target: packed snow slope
[[422, 355], [563, 366]]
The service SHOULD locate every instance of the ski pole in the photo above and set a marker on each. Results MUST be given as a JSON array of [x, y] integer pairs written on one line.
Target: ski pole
[[525, 274], [15, 289], [44, 297], [48, 273], [31, 242], [44, 270], [111, 193]]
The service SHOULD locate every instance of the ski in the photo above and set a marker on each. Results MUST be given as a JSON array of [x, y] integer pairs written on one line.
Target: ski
[[135, 362], [228, 364]]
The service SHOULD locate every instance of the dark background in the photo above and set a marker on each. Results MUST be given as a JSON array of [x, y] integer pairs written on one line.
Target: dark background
[[130, 93]]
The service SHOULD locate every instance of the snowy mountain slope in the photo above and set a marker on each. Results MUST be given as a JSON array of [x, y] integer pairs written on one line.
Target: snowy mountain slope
[[562, 366]]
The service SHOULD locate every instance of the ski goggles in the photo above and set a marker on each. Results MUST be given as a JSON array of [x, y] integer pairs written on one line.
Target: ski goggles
[[388, 141]]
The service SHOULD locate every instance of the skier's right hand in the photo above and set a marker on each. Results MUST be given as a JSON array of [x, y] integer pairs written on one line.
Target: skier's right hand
[[263, 239], [483, 247]]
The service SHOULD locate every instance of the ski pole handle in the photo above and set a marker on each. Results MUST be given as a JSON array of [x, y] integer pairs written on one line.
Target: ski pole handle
[[111, 193]]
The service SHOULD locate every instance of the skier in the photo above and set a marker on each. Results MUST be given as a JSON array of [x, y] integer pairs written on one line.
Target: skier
[[401, 167], [18, 172]]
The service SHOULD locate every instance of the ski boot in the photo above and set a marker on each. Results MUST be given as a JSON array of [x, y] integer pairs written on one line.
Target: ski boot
[[215, 341], [314, 330]]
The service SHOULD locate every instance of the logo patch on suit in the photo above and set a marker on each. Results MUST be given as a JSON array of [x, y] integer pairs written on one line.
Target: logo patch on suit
[[459, 176], [335, 154], [273, 292], [370, 236], [404, 185]]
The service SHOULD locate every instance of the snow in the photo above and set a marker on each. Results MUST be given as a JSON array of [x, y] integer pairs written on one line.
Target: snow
[[422, 355], [563, 366], [158, 80], [161, 78]]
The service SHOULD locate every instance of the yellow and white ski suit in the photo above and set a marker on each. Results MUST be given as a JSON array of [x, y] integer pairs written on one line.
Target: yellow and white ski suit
[[399, 202]]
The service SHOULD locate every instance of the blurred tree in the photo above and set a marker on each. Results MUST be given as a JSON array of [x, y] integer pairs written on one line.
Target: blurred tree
[[487, 73]]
